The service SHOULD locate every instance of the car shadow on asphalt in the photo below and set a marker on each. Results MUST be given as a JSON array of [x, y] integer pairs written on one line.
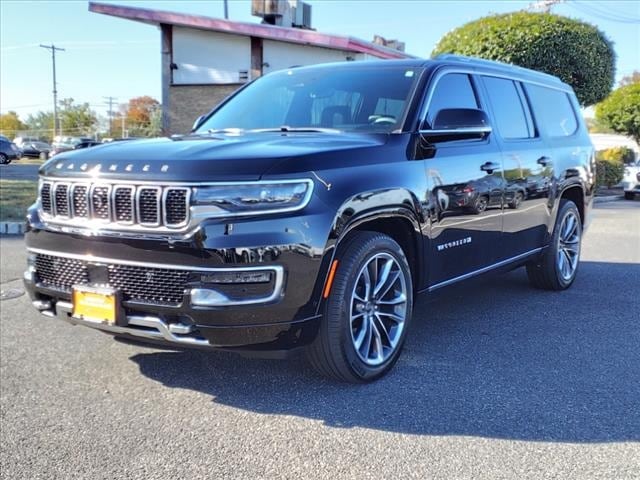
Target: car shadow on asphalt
[[493, 358]]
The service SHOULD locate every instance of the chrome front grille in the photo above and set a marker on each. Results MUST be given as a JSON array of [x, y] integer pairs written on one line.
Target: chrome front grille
[[164, 286], [129, 206]]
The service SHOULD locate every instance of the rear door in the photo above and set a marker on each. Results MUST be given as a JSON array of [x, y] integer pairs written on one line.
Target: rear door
[[465, 220], [527, 163]]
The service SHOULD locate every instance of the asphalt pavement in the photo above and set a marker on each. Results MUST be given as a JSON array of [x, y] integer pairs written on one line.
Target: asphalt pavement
[[497, 381], [15, 171]]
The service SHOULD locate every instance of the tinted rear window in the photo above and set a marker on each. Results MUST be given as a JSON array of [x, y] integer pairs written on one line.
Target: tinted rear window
[[508, 108], [553, 110]]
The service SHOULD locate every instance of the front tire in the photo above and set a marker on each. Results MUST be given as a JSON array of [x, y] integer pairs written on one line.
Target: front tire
[[556, 269], [4, 160], [367, 313]]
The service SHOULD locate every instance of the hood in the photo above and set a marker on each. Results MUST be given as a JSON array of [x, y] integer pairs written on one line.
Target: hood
[[202, 158]]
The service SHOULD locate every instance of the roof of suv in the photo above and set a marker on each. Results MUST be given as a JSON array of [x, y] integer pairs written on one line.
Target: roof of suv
[[459, 61]]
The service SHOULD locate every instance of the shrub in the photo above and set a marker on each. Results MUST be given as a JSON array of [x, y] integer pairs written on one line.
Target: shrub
[[621, 111], [576, 52], [610, 166], [623, 155]]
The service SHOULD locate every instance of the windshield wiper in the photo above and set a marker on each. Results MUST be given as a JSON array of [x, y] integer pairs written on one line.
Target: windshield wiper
[[225, 130], [286, 129]]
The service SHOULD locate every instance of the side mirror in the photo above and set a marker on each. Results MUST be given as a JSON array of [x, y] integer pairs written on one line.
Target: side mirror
[[198, 122], [459, 124]]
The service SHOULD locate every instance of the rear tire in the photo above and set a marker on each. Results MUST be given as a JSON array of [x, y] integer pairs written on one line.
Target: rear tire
[[556, 269], [368, 312], [629, 195], [4, 160]]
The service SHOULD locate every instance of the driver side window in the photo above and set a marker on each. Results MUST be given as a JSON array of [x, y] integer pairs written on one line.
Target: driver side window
[[453, 90]]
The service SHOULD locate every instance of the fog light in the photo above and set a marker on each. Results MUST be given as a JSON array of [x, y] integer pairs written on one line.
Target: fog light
[[205, 297]]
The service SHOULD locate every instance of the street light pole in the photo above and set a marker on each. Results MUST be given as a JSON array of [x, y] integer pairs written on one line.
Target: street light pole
[[56, 122]]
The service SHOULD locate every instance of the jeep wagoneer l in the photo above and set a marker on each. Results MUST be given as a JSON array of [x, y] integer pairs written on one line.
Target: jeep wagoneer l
[[310, 208]]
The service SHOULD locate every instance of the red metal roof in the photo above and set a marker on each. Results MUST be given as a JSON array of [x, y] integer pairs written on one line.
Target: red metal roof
[[291, 35]]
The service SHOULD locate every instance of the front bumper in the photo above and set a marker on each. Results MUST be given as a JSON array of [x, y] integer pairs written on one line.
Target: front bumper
[[283, 317]]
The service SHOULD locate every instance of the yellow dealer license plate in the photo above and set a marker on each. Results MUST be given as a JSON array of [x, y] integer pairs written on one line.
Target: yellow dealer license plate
[[95, 304]]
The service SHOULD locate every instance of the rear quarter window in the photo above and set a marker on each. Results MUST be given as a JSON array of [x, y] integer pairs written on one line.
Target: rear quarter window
[[553, 110]]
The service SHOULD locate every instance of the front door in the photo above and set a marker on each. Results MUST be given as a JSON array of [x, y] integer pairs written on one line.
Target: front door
[[465, 196]]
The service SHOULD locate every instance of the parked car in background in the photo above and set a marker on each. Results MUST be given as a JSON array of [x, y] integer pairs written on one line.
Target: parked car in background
[[35, 149], [87, 144], [8, 151], [631, 181], [21, 141], [65, 144]]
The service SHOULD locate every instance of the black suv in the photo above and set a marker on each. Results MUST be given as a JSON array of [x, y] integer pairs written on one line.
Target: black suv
[[309, 209]]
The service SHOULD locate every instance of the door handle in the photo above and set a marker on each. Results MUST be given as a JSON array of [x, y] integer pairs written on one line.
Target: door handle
[[544, 161], [489, 167]]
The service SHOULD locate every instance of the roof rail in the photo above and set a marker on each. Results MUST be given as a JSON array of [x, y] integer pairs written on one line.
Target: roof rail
[[494, 63]]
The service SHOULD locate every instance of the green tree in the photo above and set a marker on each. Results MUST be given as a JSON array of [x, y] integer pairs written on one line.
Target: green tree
[[76, 119], [576, 52], [621, 111], [41, 124], [10, 124]]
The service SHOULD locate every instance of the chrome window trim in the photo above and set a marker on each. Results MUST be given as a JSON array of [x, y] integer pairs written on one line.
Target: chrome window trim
[[158, 207], [477, 71], [187, 200]]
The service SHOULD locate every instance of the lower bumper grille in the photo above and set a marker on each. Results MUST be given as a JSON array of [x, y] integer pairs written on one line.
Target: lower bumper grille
[[142, 284]]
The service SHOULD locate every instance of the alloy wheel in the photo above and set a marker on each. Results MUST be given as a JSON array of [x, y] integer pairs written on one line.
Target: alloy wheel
[[378, 309], [568, 246]]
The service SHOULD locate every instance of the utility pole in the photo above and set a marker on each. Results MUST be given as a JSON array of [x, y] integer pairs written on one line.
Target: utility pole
[[56, 121], [544, 6], [226, 9], [110, 101]]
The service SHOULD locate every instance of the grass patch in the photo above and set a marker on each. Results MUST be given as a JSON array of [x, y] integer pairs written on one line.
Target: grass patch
[[15, 197]]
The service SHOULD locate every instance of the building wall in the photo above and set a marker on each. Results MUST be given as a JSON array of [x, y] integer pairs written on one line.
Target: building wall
[[282, 55], [188, 102], [210, 57]]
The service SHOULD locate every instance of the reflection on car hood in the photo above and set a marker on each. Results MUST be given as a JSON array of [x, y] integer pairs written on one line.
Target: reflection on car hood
[[202, 158]]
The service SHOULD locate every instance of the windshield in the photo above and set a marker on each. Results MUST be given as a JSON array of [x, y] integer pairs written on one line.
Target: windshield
[[367, 98]]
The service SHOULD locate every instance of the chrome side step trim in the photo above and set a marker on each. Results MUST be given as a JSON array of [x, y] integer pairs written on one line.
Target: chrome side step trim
[[486, 269], [157, 329]]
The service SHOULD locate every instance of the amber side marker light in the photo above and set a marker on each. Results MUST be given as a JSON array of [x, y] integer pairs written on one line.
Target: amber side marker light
[[332, 274]]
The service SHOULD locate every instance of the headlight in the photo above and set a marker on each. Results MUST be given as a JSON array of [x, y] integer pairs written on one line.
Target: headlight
[[253, 198]]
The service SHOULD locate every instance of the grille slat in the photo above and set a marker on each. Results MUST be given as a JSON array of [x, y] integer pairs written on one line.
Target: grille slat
[[80, 201], [100, 202], [45, 198], [127, 205], [149, 206], [163, 286], [62, 199], [124, 204], [175, 206]]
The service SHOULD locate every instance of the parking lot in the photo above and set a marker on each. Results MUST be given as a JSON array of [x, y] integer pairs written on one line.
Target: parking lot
[[497, 381]]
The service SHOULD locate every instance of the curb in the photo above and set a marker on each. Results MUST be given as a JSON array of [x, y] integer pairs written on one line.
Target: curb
[[11, 228], [609, 198]]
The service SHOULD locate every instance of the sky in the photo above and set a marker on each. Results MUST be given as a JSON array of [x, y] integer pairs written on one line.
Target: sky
[[107, 56]]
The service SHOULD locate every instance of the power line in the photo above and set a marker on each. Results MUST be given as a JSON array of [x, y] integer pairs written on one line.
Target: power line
[[56, 121], [609, 15]]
